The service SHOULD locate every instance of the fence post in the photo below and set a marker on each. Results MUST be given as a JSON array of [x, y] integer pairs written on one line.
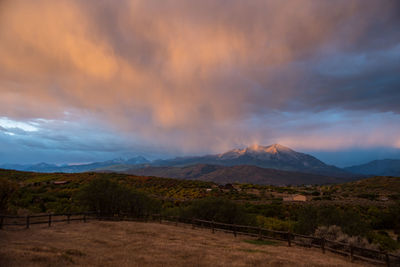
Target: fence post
[[84, 217], [27, 222], [193, 226], [387, 259], [212, 227], [1, 222], [259, 233], [323, 245], [176, 221], [289, 237], [49, 220], [234, 230], [68, 218], [351, 253]]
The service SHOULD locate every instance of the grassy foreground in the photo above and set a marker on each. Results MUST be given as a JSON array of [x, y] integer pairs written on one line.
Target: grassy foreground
[[148, 244]]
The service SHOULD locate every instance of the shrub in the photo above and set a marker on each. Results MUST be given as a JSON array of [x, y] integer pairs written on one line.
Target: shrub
[[335, 233], [274, 223], [276, 209], [384, 241]]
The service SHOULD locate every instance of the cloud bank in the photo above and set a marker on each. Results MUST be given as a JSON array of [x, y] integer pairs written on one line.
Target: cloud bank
[[202, 76]]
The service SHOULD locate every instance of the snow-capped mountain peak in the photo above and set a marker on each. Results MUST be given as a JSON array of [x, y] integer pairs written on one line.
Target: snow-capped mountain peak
[[258, 150], [272, 149]]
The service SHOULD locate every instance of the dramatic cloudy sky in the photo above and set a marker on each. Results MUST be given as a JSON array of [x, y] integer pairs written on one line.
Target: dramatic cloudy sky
[[85, 80]]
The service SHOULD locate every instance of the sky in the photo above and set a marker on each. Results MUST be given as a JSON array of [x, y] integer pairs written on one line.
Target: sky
[[89, 80]]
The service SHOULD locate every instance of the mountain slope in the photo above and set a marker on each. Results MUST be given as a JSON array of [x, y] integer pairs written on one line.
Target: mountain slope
[[275, 156], [240, 174], [386, 167]]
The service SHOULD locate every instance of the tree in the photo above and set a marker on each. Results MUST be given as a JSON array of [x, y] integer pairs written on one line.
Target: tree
[[107, 198], [7, 190]]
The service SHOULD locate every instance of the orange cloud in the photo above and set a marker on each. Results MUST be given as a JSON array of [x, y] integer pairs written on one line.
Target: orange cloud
[[193, 71]]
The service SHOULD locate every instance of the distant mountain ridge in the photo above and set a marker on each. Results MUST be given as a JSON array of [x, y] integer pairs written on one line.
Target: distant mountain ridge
[[385, 167], [72, 168], [274, 164], [239, 174]]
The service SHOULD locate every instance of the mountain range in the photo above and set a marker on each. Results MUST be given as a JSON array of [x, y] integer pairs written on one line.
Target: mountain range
[[274, 164], [385, 167], [72, 168], [273, 157]]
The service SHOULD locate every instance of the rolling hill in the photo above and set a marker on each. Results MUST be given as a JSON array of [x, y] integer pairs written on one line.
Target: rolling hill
[[240, 174]]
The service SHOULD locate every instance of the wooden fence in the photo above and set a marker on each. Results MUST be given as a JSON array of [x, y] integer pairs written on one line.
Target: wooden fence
[[49, 219], [345, 249]]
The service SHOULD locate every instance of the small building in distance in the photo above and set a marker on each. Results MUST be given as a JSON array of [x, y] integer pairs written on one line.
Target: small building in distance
[[60, 182], [295, 198]]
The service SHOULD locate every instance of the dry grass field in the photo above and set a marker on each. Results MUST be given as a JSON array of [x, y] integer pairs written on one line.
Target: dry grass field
[[148, 244]]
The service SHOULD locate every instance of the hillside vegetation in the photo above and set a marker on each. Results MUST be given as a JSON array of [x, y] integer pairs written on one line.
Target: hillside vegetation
[[368, 208]]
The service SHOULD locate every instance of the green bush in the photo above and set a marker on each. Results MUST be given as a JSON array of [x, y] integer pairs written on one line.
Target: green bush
[[276, 209], [274, 224], [385, 242]]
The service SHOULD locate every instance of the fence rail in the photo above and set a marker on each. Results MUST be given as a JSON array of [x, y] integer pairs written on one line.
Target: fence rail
[[345, 249], [27, 221]]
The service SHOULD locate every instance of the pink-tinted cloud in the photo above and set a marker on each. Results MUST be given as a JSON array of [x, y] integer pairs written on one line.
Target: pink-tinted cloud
[[194, 74]]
